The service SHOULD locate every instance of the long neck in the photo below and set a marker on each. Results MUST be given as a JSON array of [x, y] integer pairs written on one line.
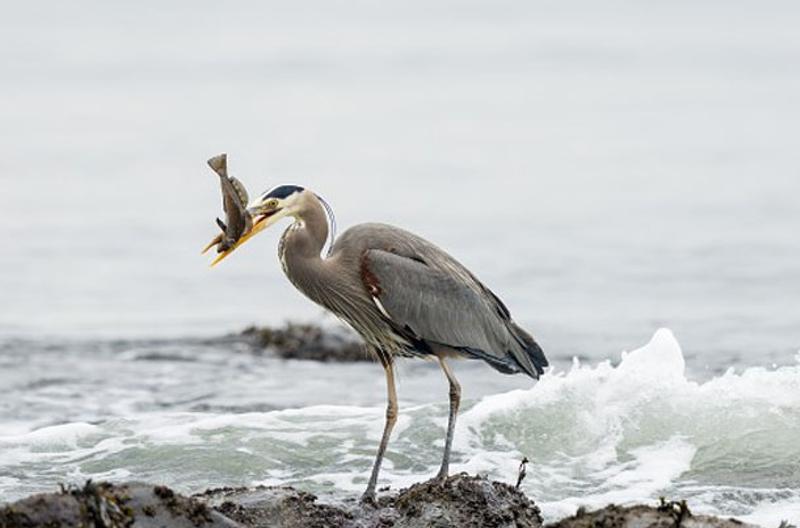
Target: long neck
[[329, 282], [307, 235], [301, 247]]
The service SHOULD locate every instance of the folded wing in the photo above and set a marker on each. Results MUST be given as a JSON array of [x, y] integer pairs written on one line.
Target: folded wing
[[440, 302]]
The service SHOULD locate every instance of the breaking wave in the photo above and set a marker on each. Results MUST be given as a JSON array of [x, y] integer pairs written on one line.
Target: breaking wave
[[620, 433]]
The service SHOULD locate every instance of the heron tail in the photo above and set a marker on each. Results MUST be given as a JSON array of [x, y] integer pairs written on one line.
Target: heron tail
[[531, 359], [527, 356]]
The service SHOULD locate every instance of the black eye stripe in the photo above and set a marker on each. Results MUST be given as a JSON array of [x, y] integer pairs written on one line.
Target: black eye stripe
[[281, 192]]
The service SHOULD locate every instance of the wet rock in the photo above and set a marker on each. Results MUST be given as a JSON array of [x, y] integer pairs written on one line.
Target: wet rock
[[463, 501], [104, 505], [666, 515], [275, 507], [305, 341]]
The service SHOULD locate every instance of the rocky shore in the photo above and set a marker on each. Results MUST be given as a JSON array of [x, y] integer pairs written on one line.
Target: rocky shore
[[462, 501], [307, 341]]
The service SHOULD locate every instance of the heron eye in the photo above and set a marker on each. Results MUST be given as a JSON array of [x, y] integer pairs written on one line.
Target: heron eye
[[272, 203]]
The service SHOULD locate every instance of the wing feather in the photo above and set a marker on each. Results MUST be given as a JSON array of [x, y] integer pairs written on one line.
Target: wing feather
[[441, 302]]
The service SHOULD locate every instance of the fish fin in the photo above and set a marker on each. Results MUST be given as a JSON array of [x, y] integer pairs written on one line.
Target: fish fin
[[219, 164]]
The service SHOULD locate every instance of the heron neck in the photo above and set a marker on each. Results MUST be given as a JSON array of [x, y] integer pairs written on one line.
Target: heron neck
[[306, 237], [300, 253]]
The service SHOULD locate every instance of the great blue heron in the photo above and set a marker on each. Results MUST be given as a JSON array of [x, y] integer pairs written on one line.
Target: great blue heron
[[401, 293]]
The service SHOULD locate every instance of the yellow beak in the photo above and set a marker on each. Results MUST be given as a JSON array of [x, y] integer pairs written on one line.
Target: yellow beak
[[214, 241], [260, 224]]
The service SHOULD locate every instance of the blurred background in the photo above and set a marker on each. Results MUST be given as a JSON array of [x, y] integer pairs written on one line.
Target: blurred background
[[607, 168]]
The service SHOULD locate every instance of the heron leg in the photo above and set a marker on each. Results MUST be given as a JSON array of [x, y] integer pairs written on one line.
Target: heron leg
[[391, 418], [455, 400]]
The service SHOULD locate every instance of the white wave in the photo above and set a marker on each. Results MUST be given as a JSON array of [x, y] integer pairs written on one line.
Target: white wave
[[55, 437], [593, 434], [770, 513], [635, 431]]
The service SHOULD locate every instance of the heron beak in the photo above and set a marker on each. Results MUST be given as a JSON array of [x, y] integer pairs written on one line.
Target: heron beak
[[260, 223], [214, 241]]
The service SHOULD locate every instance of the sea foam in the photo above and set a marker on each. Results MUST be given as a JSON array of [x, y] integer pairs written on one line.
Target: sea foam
[[641, 429], [621, 432]]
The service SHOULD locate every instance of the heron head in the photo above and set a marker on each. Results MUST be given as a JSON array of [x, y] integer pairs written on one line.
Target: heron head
[[268, 209]]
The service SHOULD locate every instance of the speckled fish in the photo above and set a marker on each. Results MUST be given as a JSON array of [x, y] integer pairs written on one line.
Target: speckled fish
[[234, 202]]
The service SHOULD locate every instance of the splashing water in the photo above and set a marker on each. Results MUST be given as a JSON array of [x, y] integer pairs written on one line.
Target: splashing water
[[594, 435], [641, 429]]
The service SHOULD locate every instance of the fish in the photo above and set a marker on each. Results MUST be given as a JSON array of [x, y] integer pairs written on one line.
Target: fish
[[234, 203]]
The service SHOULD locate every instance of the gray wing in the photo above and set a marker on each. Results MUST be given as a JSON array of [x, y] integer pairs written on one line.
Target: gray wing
[[429, 294]]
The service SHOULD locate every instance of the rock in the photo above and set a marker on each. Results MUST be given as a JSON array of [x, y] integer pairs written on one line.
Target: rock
[[104, 505], [304, 341], [467, 502], [667, 515], [463, 501], [274, 507]]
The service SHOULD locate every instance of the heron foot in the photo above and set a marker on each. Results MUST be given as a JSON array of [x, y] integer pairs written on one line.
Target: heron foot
[[441, 478], [369, 499]]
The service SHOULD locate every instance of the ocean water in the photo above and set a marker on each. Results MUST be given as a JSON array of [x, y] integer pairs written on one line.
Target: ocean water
[[608, 169], [203, 413]]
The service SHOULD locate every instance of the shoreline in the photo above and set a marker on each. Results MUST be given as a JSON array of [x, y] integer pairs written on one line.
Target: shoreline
[[461, 501], [315, 351]]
